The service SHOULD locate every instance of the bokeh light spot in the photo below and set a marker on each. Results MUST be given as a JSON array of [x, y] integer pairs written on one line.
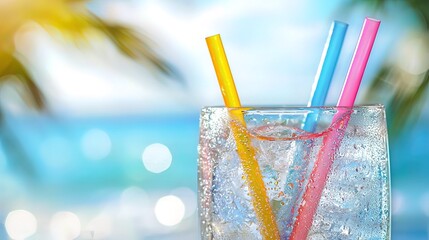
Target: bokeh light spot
[[169, 210], [156, 158], [96, 144], [65, 226], [189, 198], [134, 201], [101, 226], [20, 224]]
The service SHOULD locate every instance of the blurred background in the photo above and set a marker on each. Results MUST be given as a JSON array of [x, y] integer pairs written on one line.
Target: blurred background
[[100, 100]]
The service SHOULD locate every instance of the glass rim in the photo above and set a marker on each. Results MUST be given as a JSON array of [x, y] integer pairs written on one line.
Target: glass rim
[[294, 111], [292, 107]]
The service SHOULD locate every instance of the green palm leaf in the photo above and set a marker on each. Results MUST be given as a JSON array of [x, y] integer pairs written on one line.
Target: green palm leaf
[[402, 106], [405, 109], [72, 19], [30, 92], [136, 46]]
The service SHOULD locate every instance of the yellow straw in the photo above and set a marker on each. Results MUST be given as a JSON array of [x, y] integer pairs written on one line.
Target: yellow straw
[[245, 149]]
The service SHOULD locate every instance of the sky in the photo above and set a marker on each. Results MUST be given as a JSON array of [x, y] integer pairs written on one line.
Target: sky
[[273, 49]]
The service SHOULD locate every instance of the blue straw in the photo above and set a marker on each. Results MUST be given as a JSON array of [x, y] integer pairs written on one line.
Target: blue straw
[[325, 71], [321, 85]]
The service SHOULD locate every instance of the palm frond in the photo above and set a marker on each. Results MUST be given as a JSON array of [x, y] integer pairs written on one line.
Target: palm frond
[[378, 84], [20, 161], [402, 106], [73, 20], [421, 8], [130, 43], [77, 1], [374, 5], [404, 109], [31, 93], [137, 47]]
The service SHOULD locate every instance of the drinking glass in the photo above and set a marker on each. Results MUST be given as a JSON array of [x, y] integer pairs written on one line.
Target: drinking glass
[[355, 201]]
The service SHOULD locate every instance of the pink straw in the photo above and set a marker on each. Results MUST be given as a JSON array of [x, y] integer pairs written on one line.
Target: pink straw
[[360, 59], [332, 141]]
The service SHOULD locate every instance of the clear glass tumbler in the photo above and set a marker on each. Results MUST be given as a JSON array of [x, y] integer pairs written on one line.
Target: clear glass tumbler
[[288, 143]]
